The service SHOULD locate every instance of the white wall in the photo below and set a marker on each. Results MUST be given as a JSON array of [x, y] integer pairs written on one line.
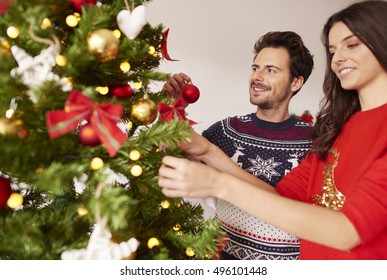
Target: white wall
[[213, 41]]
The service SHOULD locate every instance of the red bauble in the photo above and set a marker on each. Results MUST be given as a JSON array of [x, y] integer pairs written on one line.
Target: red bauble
[[123, 91], [5, 191], [76, 5], [88, 136], [189, 93]]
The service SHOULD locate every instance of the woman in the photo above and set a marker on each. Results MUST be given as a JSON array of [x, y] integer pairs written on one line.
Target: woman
[[336, 199]]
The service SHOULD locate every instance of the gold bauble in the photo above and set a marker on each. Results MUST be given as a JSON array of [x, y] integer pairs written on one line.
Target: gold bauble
[[103, 44], [13, 127], [143, 111]]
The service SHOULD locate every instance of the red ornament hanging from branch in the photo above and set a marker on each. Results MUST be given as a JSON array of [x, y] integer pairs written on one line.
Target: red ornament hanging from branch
[[122, 91], [189, 93], [103, 118]]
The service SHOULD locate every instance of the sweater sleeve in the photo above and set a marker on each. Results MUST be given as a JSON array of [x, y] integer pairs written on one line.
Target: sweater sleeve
[[294, 184], [366, 207]]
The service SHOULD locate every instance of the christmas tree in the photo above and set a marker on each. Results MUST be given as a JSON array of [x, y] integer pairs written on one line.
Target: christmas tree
[[82, 136]]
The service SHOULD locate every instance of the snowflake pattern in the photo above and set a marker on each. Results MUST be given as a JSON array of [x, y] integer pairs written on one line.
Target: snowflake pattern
[[263, 167]]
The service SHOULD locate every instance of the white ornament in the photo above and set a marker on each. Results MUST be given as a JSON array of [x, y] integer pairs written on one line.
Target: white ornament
[[36, 70], [101, 247], [131, 23]]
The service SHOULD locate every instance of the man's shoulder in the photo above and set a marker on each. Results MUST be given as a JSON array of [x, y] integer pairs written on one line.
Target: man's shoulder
[[232, 119]]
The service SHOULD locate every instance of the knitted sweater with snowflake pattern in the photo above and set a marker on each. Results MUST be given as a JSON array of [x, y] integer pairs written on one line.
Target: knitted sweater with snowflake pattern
[[268, 151]]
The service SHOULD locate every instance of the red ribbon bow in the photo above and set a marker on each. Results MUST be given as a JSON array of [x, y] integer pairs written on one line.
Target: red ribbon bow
[[167, 112], [103, 118], [164, 49]]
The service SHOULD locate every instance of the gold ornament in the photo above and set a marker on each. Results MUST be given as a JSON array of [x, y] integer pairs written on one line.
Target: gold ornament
[[96, 163], [136, 170], [143, 111], [177, 227], [152, 242], [103, 44], [190, 252], [12, 127], [134, 155]]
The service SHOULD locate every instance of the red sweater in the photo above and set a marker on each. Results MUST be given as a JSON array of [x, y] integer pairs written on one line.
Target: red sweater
[[360, 175]]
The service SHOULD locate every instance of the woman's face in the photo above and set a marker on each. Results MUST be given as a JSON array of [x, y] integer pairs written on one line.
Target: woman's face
[[352, 61]]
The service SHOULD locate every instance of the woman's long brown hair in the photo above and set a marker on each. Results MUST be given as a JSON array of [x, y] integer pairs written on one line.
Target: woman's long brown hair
[[368, 21]]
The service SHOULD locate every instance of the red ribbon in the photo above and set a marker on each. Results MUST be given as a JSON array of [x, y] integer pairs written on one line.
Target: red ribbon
[[164, 50], [168, 112], [307, 117], [103, 118]]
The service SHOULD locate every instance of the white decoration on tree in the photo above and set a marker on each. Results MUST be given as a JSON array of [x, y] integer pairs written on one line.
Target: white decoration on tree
[[35, 70], [131, 23], [100, 247]]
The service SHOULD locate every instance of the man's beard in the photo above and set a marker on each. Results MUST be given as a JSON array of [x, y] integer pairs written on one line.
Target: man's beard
[[263, 104]]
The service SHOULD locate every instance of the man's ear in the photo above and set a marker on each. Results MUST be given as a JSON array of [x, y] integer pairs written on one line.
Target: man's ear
[[297, 83]]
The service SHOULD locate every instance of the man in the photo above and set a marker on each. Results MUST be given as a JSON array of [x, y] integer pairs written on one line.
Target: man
[[267, 143]]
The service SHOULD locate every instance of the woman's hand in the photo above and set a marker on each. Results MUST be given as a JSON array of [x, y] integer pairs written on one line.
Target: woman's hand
[[198, 147], [179, 177]]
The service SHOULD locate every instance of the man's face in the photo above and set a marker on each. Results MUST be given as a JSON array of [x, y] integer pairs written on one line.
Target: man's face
[[270, 84]]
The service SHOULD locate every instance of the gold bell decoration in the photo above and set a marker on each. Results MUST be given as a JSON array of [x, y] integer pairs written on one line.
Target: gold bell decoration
[[103, 44], [143, 111], [13, 127]]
